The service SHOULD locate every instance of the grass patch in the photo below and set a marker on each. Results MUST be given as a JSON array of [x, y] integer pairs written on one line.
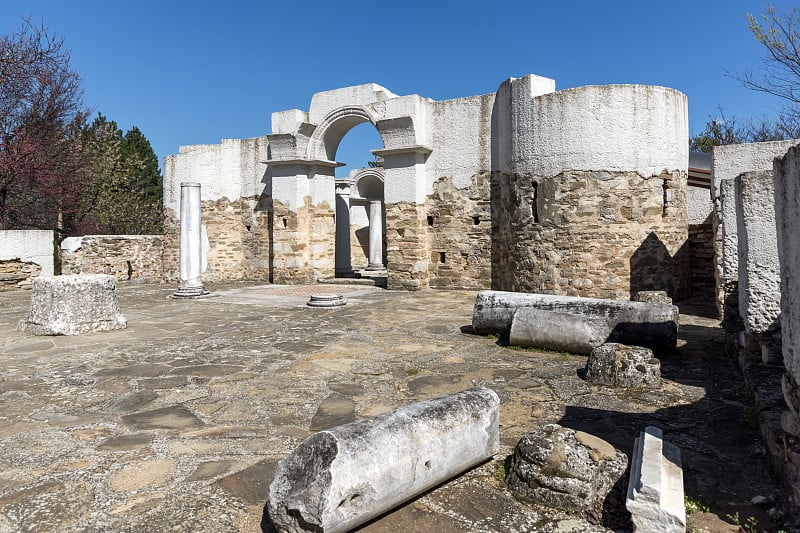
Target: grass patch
[[694, 505]]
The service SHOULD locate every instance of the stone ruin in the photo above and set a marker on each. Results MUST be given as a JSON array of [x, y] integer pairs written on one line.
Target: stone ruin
[[24, 255], [73, 305], [578, 192], [757, 223]]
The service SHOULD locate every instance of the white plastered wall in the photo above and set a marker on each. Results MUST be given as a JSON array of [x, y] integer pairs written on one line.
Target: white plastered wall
[[461, 139], [698, 204], [29, 246], [727, 162], [787, 215], [611, 127], [232, 169]]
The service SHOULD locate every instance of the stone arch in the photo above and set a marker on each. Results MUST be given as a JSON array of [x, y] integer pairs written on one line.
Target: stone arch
[[362, 191], [331, 130], [368, 183]]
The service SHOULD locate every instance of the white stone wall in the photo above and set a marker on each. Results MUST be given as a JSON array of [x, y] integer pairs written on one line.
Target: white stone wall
[[30, 246], [787, 215], [759, 277], [698, 205], [461, 139], [612, 127], [729, 161], [232, 169], [730, 231], [525, 127]]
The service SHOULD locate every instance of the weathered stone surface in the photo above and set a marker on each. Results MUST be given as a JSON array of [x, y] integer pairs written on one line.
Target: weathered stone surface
[[728, 162], [641, 324], [406, 246], [619, 365], [588, 233], [759, 276], [653, 297], [552, 330], [655, 490], [701, 247], [71, 305], [326, 300], [340, 478], [134, 258], [564, 469], [460, 234], [380, 344]]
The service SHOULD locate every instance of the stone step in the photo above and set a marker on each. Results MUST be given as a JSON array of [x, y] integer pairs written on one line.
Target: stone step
[[347, 281]]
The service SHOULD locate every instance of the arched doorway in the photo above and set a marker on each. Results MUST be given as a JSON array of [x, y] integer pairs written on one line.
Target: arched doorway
[[306, 194], [359, 198]]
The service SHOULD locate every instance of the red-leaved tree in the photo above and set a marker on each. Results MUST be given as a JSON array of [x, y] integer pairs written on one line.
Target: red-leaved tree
[[43, 171]]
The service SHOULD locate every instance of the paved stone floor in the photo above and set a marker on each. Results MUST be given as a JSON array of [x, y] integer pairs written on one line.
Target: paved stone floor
[[176, 423]]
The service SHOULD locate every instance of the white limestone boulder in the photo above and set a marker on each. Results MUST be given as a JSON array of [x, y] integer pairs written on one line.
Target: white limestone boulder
[[72, 305], [655, 489]]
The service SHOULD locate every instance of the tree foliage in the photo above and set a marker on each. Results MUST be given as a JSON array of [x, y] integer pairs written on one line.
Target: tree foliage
[[56, 170], [126, 189], [778, 33], [721, 130], [779, 75], [41, 110]]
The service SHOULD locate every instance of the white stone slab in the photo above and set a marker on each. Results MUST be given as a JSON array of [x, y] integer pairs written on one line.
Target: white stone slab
[[655, 489]]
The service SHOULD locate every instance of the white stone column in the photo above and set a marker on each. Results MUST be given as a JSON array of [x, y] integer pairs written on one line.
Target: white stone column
[[375, 236], [343, 266], [191, 261]]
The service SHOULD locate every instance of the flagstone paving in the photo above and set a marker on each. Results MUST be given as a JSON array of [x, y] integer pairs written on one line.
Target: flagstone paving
[[176, 423]]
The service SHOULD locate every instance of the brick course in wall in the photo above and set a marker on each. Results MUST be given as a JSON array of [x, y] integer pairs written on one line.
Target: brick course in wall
[[701, 246]]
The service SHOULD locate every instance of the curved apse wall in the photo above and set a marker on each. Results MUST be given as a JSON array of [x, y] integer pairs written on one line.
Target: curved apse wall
[[595, 203], [637, 128]]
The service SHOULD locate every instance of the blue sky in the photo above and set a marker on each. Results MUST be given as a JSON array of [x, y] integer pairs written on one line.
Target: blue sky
[[196, 72]]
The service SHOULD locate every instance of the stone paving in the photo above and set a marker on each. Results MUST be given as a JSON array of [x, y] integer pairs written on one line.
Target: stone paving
[[176, 423]]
